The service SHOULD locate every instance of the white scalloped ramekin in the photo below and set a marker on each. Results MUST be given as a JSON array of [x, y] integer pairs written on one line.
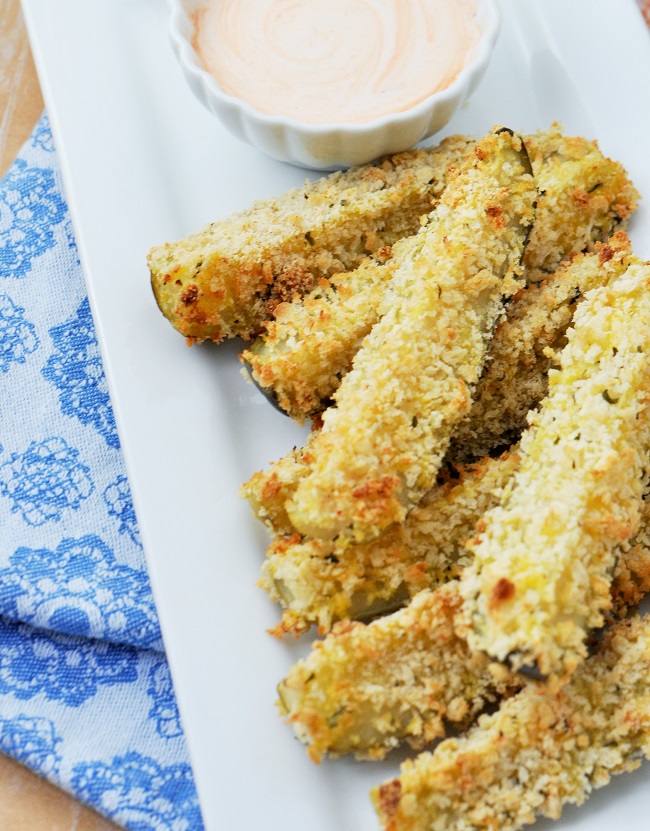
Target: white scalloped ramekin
[[331, 146]]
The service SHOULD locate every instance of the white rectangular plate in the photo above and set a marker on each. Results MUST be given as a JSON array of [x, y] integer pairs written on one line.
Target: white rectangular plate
[[143, 163]]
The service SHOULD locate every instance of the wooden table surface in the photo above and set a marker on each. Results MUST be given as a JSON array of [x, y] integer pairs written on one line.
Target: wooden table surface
[[27, 803]]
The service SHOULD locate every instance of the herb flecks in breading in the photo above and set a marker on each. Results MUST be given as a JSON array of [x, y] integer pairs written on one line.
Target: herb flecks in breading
[[320, 582], [241, 268], [576, 496], [424, 357], [540, 751], [411, 675], [305, 350]]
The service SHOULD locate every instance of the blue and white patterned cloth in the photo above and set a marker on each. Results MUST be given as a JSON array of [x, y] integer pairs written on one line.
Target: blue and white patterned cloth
[[86, 697]]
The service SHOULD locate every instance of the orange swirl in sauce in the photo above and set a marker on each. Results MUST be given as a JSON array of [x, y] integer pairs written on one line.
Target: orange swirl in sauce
[[322, 61]]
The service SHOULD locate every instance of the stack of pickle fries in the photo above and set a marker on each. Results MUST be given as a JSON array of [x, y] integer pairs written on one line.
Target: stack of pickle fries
[[468, 524]]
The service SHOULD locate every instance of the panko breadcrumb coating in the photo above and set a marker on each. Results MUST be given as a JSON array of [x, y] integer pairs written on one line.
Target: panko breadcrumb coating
[[543, 560], [309, 345], [514, 379], [366, 688], [382, 444], [303, 352], [318, 582], [584, 198], [540, 751], [631, 581], [267, 490], [225, 279]]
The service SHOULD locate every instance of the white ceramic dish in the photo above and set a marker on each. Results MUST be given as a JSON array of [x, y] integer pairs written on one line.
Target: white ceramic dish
[[144, 162], [330, 145]]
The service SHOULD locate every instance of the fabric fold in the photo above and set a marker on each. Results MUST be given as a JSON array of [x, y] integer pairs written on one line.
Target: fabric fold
[[86, 697]]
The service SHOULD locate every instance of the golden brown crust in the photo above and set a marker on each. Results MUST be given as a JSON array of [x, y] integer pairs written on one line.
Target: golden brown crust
[[538, 752], [267, 490], [584, 198], [513, 382], [576, 496], [309, 346], [235, 272], [320, 582], [515, 378], [227, 278], [383, 442], [632, 574], [366, 688]]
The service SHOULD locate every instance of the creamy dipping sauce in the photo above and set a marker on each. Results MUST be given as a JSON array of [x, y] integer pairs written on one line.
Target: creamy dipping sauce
[[321, 61]]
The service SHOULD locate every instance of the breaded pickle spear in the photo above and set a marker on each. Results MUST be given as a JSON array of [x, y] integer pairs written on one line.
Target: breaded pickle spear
[[513, 381], [406, 677], [584, 198], [309, 345], [225, 279], [515, 378], [318, 582], [382, 444], [540, 751], [367, 687], [540, 579]]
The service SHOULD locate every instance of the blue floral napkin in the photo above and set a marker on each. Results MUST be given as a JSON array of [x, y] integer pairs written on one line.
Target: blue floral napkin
[[86, 697]]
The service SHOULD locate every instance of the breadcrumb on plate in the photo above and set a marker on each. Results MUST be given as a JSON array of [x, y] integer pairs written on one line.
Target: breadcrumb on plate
[[382, 444], [543, 559], [541, 750]]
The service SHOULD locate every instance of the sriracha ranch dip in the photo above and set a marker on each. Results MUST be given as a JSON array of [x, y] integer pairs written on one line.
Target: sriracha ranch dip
[[324, 61]]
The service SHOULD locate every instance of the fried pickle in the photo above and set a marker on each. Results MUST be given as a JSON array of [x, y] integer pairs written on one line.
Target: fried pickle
[[382, 444], [541, 750], [308, 346], [365, 688], [225, 279], [514, 380], [543, 559]]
